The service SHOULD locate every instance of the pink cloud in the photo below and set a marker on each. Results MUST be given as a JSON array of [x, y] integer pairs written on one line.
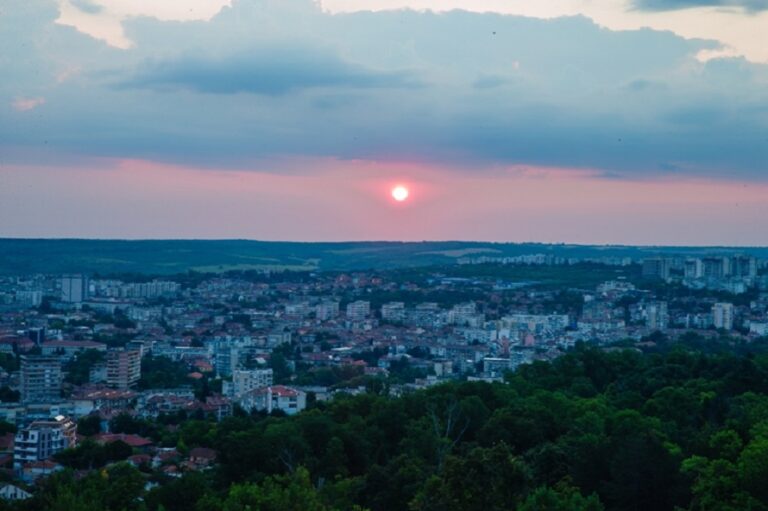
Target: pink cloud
[[25, 104]]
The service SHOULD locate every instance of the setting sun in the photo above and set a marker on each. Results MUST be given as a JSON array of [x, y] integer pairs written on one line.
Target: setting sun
[[399, 193]]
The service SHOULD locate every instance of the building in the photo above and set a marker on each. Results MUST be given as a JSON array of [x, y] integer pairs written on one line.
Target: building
[[722, 315], [42, 439], [68, 349], [244, 380], [393, 311], [358, 310], [715, 267], [326, 310], [693, 269], [37, 334], [31, 298], [74, 288], [497, 366], [40, 379], [657, 316], [123, 368], [11, 492], [656, 268], [744, 267], [277, 397]]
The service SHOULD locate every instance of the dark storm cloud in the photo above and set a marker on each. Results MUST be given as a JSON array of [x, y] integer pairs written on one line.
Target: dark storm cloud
[[268, 71]]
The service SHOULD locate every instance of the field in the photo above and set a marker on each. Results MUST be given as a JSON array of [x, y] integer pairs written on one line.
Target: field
[[165, 257]]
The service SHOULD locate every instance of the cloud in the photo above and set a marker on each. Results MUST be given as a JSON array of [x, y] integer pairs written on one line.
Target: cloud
[[87, 6], [673, 5], [25, 104], [270, 79], [272, 70]]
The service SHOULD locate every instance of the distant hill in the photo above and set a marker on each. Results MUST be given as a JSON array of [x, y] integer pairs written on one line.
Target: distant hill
[[163, 257]]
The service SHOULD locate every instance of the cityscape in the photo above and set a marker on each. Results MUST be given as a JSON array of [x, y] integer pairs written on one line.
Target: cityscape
[[383, 255], [88, 360]]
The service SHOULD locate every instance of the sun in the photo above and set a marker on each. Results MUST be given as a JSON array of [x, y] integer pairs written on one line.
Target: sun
[[399, 193]]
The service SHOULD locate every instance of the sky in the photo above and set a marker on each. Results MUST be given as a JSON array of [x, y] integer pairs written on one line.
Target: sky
[[581, 121]]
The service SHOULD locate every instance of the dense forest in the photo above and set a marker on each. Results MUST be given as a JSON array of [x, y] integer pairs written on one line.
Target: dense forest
[[594, 430]]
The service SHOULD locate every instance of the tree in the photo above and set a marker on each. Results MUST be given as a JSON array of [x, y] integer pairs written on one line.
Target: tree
[[89, 425], [560, 498]]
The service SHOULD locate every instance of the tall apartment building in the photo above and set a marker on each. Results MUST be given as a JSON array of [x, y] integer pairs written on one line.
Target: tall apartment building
[[393, 311], [358, 310], [245, 380], [656, 268], [715, 267], [227, 358], [42, 439], [722, 315], [326, 310], [743, 266], [123, 368], [74, 288], [657, 316], [40, 379], [693, 268]]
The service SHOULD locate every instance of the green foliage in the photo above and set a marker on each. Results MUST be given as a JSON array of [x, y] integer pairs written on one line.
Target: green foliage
[[162, 372], [594, 430], [89, 425], [7, 395], [90, 455], [560, 498], [78, 369]]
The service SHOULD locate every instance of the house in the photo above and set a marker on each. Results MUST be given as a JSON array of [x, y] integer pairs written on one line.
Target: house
[[11, 492], [33, 470], [202, 456], [274, 397], [135, 441], [138, 460]]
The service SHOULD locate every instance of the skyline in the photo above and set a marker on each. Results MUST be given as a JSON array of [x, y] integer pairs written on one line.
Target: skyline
[[560, 122]]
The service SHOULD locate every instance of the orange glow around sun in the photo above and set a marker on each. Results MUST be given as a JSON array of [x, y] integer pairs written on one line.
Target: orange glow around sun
[[399, 193]]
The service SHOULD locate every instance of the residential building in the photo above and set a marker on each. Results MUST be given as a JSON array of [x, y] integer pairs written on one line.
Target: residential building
[[656, 268], [40, 379], [74, 288], [657, 316], [715, 267], [358, 310], [245, 380], [722, 315], [693, 269], [277, 397], [326, 310], [393, 311], [123, 368], [12, 492], [743, 266], [42, 439]]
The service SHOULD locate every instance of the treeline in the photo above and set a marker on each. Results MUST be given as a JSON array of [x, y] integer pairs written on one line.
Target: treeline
[[594, 430]]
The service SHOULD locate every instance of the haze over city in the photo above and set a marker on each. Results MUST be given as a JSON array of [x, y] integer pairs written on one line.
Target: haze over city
[[637, 122]]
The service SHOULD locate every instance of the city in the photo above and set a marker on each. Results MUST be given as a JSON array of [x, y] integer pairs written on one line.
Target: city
[[383, 255], [82, 355]]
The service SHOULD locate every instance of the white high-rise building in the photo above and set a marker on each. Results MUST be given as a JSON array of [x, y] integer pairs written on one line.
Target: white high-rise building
[[74, 288], [358, 310], [722, 315], [657, 316], [393, 311], [244, 380], [326, 310]]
